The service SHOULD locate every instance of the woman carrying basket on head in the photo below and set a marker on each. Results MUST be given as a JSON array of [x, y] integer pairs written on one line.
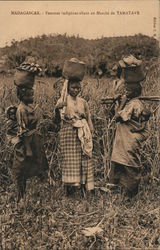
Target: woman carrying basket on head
[[29, 155], [131, 132], [76, 132]]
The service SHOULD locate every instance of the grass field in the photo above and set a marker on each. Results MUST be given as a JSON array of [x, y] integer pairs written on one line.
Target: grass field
[[48, 219]]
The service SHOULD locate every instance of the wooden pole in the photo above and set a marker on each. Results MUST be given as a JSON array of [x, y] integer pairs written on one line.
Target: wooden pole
[[110, 100]]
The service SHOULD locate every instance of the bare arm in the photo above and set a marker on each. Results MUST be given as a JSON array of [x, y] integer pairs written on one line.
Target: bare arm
[[22, 122]]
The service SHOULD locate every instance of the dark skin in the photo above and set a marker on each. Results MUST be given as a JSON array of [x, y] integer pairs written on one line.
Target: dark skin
[[28, 97], [12, 114], [145, 115], [129, 94], [74, 89]]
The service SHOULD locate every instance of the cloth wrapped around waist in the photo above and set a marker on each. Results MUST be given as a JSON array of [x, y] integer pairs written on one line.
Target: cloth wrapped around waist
[[84, 134]]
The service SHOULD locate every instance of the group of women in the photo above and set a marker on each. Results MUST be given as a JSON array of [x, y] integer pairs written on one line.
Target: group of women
[[75, 134]]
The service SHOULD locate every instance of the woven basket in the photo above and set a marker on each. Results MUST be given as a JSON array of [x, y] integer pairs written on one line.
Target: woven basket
[[133, 74], [74, 69], [24, 79]]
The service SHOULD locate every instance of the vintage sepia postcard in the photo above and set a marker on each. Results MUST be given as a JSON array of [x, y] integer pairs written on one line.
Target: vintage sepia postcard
[[79, 125]]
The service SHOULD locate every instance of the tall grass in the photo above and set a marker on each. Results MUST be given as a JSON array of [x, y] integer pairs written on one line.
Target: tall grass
[[49, 220]]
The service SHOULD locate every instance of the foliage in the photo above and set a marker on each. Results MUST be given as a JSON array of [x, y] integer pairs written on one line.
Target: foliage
[[51, 51]]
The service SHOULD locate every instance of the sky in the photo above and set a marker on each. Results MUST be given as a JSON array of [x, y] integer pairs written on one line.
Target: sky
[[89, 19]]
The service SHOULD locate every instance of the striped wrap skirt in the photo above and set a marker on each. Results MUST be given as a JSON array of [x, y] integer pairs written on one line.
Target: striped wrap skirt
[[77, 168]]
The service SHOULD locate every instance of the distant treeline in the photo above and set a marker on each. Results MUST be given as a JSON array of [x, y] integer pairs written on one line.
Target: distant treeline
[[100, 55]]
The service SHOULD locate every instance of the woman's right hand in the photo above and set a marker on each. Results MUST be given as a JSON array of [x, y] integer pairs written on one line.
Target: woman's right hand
[[61, 105]]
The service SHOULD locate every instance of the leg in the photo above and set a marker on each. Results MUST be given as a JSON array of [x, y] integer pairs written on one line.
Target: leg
[[21, 186], [70, 190], [87, 173], [27, 142], [131, 179], [114, 173]]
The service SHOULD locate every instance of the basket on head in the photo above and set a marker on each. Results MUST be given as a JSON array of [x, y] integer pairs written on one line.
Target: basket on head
[[133, 74], [74, 68]]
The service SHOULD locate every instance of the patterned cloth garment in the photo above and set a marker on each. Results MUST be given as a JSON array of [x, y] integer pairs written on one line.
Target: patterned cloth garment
[[77, 111], [77, 168], [76, 141]]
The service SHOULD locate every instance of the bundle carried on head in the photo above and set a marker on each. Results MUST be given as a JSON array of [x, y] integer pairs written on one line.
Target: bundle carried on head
[[131, 69], [25, 74], [74, 69]]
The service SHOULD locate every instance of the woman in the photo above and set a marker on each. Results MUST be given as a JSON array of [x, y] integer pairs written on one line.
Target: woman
[[131, 131], [76, 140], [29, 156]]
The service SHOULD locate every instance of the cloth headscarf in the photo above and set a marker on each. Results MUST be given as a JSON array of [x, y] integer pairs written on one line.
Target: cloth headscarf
[[129, 61]]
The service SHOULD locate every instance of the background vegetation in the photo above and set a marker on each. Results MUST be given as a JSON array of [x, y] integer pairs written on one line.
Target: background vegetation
[[51, 51]]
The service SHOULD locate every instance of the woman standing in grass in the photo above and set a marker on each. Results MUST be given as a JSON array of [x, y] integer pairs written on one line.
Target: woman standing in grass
[[76, 139], [29, 156], [131, 131]]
